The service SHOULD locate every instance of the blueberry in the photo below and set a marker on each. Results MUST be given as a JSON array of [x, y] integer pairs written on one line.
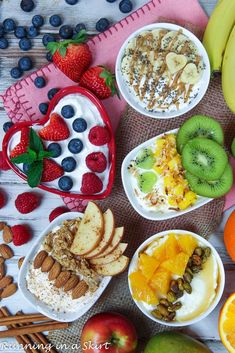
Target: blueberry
[[33, 32], [26, 167], [1, 31], [102, 25], [71, 2], [52, 93], [66, 32], [20, 32], [67, 111], [125, 6], [4, 43], [27, 5], [79, 125], [48, 38], [16, 72], [65, 183], [40, 82], [55, 20], [7, 126], [43, 107], [55, 148], [68, 164], [38, 21], [25, 44], [79, 27], [9, 25], [75, 146], [110, 0], [25, 63]]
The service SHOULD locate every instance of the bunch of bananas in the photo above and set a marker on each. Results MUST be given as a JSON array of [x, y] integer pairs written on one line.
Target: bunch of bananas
[[219, 41]]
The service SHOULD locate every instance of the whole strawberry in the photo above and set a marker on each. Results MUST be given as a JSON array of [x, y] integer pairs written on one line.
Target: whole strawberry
[[3, 163], [27, 202], [100, 81], [57, 212], [72, 56], [21, 234]]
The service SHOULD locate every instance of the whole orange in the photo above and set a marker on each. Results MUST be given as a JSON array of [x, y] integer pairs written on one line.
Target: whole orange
[[229, 235]]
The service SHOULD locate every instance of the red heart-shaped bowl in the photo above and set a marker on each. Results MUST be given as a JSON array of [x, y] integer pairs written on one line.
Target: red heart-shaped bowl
[[111, 145]]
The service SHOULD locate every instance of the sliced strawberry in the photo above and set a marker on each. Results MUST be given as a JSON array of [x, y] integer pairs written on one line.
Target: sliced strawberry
[[51, 170], [56, 130], [23, 144]]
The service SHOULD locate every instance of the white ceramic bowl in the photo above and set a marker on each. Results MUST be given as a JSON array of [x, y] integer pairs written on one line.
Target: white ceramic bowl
[[78, 311], [130, 97], [133, 266], [129, 190]]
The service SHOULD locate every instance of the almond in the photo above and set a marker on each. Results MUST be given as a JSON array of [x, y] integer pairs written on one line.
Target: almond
[[72, 282], [47, 264], [6, 251], [62, 279], [2, 225], [80, 290], [7, 234], [5, 281], [2, 270], [39, 259], [54, 271], [9, 290], [20, 262]]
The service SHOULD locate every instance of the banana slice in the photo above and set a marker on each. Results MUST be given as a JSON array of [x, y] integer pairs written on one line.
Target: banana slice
[[175, 62], [131, 45], [179, 43], [167, 38], [190, 74]]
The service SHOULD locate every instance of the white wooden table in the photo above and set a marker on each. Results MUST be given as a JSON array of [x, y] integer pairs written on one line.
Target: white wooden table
[[89, 12]]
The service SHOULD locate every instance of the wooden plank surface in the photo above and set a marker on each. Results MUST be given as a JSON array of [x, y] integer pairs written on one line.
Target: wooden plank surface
[[89, 12]]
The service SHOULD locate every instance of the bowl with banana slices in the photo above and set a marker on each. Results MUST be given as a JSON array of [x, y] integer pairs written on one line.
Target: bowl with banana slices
[[163, 70]]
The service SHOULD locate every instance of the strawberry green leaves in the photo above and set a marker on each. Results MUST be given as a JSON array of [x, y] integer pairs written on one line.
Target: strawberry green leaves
[[110, 81], [80, 37]]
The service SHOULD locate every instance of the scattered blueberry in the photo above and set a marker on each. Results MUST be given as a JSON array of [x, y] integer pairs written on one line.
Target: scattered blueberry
[[48, 38], [65, 183], [55, 148], [33, 32], [38, 21], [67, 111], [68, 164], [20, 32], [125, 6], [16, 72], [110, 0], [49, 56], [9, 25], [27, 5], [25, 63], [4, 43], [1, 31], [26, 167], [40, 82], [55, 20], [43, 107], [7, 126], [79, 125], [71, 2], [75, 146], [52, 93], [25, 44], [66, 32], [102, 25], [79, 27]]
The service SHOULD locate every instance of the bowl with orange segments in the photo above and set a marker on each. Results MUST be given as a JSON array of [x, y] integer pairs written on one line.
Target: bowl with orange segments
[[176, 278]]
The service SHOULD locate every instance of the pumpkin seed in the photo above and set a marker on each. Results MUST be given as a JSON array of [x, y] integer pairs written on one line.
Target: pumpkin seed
[[196, 269], [175, 307], [196, 260], [198, 251], [171, 297], [163, 310], [188, 287], [164, 301], [157, 314], [207, 252], [187, 277], [174, 286], [180, 283], [188, 270]]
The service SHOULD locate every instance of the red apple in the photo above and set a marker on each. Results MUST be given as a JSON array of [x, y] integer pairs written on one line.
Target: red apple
[[108, 333]]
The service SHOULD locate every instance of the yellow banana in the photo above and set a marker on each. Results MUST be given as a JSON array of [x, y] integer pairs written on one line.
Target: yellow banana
[[217, 32], [228, 72]]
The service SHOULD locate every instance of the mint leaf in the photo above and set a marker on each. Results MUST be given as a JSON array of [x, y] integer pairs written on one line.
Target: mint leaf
[[44, 154], [35, 173], [35, 143], [32, 153], [23, 158]]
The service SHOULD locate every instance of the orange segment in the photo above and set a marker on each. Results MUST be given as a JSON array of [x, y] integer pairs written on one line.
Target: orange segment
[[177, 264], [141, 291], [227, 324], [187, 243], [172, 248], [160, 252], [148, 265], [161, 281]]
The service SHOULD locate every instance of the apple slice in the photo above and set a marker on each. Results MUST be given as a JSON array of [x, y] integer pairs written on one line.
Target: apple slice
[[90, 231], [117, 238], [113, 268], [111, 257], [109, 228]]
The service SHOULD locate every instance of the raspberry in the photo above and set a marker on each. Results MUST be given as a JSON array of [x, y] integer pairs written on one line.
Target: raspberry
[[2, 199], [91, 184], [21, 234], [99, 135], [96, 162], [27, 202], [57, 212], [3, 163]]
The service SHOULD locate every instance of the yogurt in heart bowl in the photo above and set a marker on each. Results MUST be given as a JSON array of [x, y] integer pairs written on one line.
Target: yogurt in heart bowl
[[71, 152]]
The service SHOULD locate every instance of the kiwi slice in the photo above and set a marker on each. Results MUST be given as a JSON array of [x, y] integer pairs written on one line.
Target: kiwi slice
[[233, 147], [145, 159], [212, 189], [146, 181], [204, 158], [199, 126]]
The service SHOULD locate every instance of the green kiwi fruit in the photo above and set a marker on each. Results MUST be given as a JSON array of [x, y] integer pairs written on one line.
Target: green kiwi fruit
[[146, 181], [204, 158], [145, 159], [212, 189], [233, 147], [199, 126]]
